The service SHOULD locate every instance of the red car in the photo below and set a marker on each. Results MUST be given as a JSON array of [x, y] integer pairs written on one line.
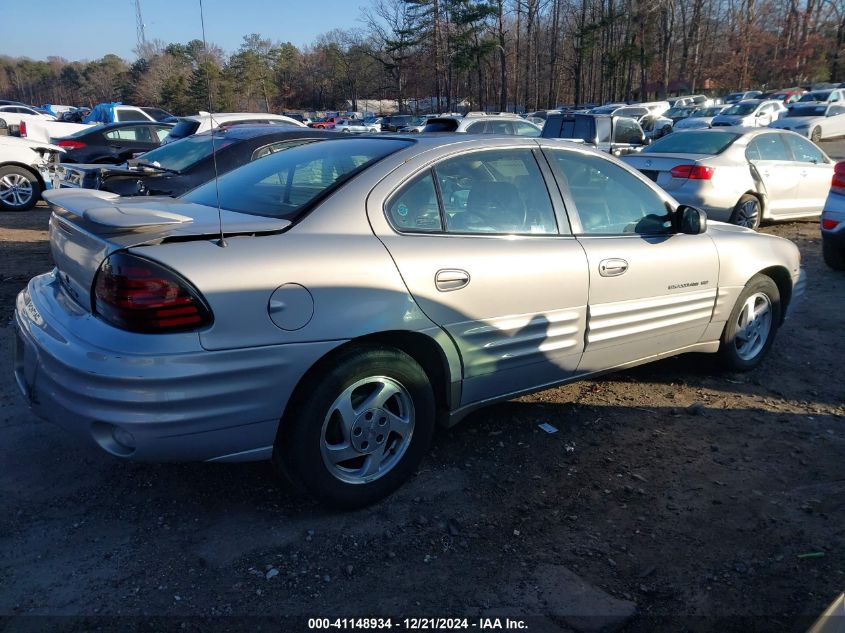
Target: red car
[[326, 123]]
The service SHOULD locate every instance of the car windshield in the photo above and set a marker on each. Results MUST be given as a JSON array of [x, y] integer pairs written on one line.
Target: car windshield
[[818, 95], [706, 112], [285, 184], [187, 152], [678, 112], [418, 120], [706, 142], [807, 111], [741, 108]]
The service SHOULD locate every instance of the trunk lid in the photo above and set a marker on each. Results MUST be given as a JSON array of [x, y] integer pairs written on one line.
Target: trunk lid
[[657, 167], [87, 226]]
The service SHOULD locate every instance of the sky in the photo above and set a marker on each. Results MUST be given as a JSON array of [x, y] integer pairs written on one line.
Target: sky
[[92, 28]]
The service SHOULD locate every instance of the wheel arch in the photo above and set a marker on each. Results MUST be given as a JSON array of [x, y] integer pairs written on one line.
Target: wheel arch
[[783, 280], [763, 198], [28, 168], [423, 348]]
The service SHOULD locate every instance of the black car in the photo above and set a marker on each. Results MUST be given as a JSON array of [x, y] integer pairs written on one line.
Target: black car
[[395, 122], [177, 167], [113, 142]]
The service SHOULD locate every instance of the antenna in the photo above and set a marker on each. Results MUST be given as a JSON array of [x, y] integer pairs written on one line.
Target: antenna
[[222, 241], [139, 27]]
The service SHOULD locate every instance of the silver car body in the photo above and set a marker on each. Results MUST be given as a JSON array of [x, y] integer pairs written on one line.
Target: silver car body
[[504, 314], [754, 113], [786, 187], [701, 119], [829, 124]]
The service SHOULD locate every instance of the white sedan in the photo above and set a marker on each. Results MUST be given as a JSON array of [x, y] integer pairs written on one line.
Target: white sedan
[[815, 120], [24, 171], [12, 115]]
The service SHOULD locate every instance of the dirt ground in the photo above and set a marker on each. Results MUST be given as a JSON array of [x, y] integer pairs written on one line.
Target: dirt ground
[[662, 515]]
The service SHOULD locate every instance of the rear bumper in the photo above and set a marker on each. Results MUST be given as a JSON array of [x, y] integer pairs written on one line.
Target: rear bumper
[[188, 404]]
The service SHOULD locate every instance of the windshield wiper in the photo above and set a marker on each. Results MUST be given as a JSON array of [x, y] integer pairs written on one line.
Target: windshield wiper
[[145, 163]]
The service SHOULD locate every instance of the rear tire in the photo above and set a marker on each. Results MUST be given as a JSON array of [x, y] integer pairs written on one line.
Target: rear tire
[[3, 125], [834, 255], [816, 134], [358, 428], [747, 212], [752, 325], [19, 189]]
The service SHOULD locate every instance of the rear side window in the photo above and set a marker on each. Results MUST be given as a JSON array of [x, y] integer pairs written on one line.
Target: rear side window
[[139, 134], [500, 191], [129, 115], [414, 208]]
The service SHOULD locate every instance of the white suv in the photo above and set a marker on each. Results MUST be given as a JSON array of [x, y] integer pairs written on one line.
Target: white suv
[[484, 123], [205, 121]]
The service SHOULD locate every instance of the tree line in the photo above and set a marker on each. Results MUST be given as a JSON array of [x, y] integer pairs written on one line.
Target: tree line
[[484, 54]]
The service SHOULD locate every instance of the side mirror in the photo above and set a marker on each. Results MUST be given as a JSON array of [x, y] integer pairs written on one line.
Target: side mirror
[[690, 221]]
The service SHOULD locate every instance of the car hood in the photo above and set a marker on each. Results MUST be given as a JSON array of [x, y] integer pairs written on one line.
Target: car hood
[[697, 123], [793, 122], [730, 119]]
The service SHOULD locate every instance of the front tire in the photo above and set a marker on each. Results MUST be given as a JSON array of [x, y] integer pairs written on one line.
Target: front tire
[[834, 255], [747, 212], [752, 325], [358, 427], [19, 189]]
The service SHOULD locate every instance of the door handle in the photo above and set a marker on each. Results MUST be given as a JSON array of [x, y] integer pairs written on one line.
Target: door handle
[[451, 279], [804, 173], [612, 267]]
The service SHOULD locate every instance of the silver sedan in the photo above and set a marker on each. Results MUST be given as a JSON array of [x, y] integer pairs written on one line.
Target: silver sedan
[[348, 295], [740, 175]]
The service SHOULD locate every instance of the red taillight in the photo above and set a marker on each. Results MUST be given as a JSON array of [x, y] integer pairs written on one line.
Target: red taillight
[[828, 225], [22, 129], [837, 184], [692, 172], [68, 144], [138, 295]]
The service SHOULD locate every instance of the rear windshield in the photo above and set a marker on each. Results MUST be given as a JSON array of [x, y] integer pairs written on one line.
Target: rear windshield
[[692, 143], [818, 95], [187, 152], [184, 128], [441, 125], [283, 185], [807, 111]]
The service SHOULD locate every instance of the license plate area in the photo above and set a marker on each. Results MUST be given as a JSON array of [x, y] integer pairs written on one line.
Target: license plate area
[[651, 174]]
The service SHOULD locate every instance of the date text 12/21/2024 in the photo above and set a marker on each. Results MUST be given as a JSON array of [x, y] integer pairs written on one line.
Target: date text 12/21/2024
[[417, 624]]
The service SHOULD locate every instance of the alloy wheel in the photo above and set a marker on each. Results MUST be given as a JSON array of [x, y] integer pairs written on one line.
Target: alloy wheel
[[367, 430], [753, 326], [16, 190], [748, 214]]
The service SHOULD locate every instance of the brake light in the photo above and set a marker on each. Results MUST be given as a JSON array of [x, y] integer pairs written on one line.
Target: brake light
[[692, 172], [22, 129], [68, 144], [828, 225], [837, 184], [139, 295]]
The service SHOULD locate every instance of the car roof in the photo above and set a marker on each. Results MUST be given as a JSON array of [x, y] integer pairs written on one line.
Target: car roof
[[120, 124], [245, 132]]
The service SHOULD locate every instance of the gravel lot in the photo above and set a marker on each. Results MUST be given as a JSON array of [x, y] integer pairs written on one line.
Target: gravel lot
[[673, 497]]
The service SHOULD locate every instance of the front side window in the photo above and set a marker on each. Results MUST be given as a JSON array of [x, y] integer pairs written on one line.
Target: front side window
[[804, 151], [500, 191], [609, 199]]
